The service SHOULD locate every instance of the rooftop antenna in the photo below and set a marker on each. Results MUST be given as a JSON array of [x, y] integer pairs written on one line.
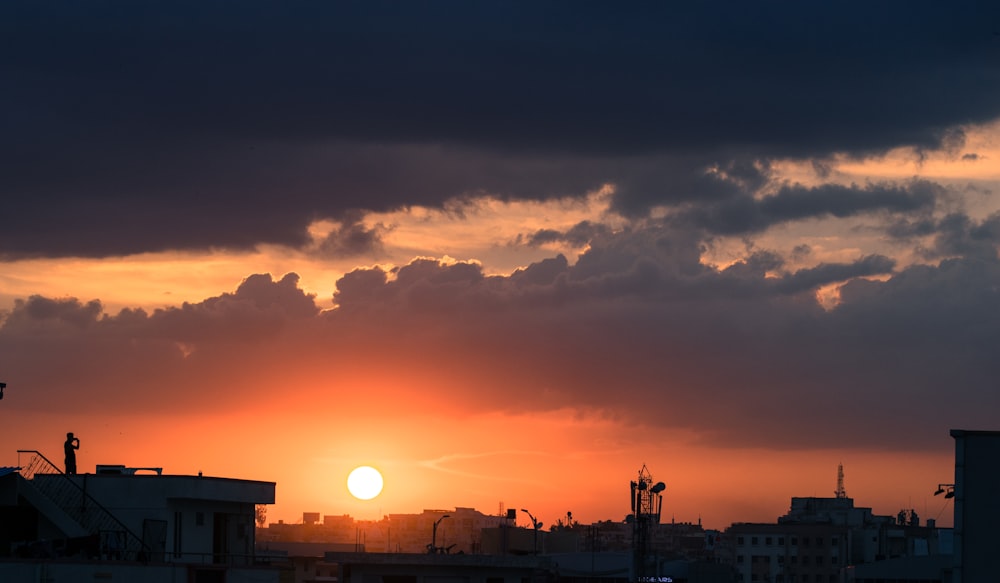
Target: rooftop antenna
[[840, 493], [647, 504]]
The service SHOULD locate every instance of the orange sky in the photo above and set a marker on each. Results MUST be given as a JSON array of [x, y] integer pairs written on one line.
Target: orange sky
[[440, 459], [506, 254]]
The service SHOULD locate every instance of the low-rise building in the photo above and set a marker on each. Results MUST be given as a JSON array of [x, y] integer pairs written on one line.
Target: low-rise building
[[820, 538], [122, 519]]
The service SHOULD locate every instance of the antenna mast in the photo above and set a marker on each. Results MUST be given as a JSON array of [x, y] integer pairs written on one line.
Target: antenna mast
[[840, 493], [647, 504]]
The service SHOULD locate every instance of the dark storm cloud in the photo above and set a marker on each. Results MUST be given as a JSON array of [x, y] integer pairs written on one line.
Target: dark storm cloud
[[579, 234], [955, 234], [824, 274], [746, 214], [136, 127], [351, 238], [739, 356]]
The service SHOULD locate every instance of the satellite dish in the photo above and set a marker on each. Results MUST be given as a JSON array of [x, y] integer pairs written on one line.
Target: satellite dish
[[659, 487]]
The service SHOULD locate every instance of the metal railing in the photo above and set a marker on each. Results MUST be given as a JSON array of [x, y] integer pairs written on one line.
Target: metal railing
[[115, 540]]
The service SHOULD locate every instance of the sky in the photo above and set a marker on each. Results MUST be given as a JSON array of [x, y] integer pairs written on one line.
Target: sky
[[506, 253]]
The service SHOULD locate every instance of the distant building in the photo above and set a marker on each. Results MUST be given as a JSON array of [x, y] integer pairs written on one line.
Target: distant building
[[460, 532], [122, 524], [820, 538]]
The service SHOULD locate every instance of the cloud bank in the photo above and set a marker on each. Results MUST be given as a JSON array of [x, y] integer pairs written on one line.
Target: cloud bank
[[635, 329]]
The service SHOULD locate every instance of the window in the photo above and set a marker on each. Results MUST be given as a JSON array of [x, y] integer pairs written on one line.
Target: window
[[199, 519], [805, 541], [805, 560], [795, 559], [739, 559], [794, 541], [819, 560], [739, 540], [753, 541], [781, 540], [819, 541], [767, 541], [753, 559], [833, 559], [781, 559]]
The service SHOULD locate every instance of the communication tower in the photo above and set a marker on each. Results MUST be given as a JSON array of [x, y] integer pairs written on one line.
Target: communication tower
[[840, 493], [647, 503]]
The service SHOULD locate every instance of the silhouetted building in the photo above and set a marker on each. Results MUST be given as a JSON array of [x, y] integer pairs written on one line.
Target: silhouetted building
[[977, 509], [820, 538], [461, 532], [123, 525]]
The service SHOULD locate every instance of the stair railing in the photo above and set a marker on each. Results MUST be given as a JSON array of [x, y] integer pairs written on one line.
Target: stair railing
[[116, 541]]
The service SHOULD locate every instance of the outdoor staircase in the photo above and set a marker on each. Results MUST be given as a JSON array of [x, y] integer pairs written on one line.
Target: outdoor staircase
[[67, 504]]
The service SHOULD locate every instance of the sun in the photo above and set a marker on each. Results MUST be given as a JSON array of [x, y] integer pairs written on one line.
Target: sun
[[364, 483]]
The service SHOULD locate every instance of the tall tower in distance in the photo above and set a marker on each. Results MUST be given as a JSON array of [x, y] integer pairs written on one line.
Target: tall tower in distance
[[841, 492], [647, 503]]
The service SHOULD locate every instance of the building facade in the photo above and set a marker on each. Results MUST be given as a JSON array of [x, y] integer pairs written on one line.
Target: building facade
[[977, 511], [120, 519]]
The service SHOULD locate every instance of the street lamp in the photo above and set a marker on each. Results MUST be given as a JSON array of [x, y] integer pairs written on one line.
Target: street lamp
[[536, 525], [947, 489], [433, 548]]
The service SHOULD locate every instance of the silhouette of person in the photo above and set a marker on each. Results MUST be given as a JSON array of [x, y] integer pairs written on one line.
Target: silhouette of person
[[72, 444]]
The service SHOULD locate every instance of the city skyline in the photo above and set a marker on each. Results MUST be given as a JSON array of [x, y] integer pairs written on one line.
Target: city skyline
[[505, 254]]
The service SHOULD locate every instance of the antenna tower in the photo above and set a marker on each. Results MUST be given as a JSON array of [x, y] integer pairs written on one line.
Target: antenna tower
[[840, 493], [647, 504]]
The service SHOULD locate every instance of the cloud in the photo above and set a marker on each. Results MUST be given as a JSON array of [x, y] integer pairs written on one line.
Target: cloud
[[634, 329], [954, 234], [745, 214], [578, 235], [352, 238], [195, 126]]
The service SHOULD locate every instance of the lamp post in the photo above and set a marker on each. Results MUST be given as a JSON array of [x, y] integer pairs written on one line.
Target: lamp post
[[434, 534], [947, 489], [536, 525]]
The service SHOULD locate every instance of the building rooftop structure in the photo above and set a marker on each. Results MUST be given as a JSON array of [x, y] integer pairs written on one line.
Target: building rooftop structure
[[840, 511], [119, 520]]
